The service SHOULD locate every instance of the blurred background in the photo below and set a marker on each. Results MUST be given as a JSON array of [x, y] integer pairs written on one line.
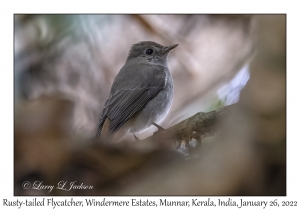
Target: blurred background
[[65, 66]]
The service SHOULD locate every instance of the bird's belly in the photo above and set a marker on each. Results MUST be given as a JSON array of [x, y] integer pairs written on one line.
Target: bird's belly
[[154, 111]]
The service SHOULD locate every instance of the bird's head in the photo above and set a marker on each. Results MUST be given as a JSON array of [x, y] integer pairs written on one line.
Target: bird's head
[[150, 52]]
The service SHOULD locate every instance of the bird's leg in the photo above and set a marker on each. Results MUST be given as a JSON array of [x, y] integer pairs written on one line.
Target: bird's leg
[[158, 127], [136, 138]]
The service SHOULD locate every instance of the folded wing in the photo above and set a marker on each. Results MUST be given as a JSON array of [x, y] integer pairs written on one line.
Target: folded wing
[[131, 90]]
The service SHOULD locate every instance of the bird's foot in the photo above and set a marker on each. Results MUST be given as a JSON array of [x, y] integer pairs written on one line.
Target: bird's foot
[[158, 127]]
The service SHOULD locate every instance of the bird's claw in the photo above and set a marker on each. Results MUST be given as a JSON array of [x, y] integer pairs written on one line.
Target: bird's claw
[[158, 127]]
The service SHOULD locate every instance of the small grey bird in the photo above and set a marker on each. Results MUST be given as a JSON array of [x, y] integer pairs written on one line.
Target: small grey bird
[[141, 94]]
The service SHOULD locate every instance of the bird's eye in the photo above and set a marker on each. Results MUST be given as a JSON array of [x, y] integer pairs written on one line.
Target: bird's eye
[[149, 51]]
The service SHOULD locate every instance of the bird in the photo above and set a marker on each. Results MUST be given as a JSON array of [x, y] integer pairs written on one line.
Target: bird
[[141, 94]]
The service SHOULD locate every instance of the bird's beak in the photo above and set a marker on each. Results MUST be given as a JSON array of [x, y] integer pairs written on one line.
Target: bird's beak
[[168, 49]]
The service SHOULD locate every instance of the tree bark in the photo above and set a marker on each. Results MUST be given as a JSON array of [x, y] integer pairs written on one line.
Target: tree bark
[[199, 126]]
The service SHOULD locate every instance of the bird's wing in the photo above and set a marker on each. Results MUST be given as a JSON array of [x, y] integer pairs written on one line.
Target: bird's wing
[[131, 90]]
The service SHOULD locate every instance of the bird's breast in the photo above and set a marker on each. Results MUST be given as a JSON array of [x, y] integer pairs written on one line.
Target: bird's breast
[[156, 109]]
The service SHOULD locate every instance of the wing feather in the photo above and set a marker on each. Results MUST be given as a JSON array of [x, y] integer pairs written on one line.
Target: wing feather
[[132, 89]]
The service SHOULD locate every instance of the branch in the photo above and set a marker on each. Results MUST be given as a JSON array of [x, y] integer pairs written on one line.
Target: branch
[[197, 127]]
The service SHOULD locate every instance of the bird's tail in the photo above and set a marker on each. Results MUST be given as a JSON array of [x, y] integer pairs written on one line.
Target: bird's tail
[[104, 132]]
